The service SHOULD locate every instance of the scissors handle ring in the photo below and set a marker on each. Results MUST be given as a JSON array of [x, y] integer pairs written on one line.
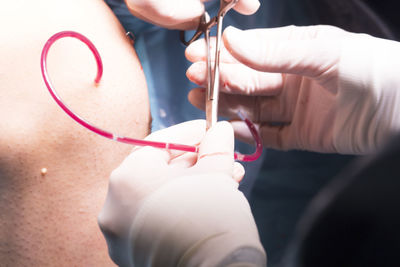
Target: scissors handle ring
[[205, 25]]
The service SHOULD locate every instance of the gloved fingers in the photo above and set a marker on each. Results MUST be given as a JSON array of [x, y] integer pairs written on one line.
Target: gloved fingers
[[182, 162], [255, 108], [144, 159], [197, 51], [273, 136], [188, 133], [239, 79], [258, 109], [247, 7], [295, 50], [216, 150], [137, 174], [238, 172], [242, 132], [145, 170]]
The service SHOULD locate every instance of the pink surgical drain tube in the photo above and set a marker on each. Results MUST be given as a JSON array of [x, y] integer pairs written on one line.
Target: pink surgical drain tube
[[122, 139]]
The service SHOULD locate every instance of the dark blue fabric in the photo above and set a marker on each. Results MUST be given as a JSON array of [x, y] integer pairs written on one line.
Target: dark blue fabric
[[354, 221], [286, 184]]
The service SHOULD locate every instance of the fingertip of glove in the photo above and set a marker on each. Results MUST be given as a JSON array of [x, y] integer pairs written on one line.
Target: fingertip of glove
[[231, 37], [248, 7], [195, 51], [218, 141], [242, 131], [196, 73], [231, 30], [224, 126], [238, 172], [196, 97]]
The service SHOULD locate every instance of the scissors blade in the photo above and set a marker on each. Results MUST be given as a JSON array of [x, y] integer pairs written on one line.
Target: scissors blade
[[212, 94], [210, 105]]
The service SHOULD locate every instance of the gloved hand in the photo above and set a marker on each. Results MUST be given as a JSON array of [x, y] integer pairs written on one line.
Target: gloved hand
[[179, 14], [170, 208], [315, 88]]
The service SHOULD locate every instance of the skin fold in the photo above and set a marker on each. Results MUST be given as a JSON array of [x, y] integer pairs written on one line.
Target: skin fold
[[51, 219]]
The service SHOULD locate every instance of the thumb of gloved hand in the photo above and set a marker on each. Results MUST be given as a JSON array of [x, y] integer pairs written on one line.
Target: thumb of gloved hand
[[216, 152]]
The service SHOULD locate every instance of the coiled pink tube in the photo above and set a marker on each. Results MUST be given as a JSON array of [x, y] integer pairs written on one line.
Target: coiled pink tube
[[122, 139]]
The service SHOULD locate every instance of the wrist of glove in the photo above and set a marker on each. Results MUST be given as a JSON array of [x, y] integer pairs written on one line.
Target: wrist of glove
[[196, 220], [368, 97]]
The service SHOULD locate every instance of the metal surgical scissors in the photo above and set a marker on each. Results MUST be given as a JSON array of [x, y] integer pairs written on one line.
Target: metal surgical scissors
[[212, 90]]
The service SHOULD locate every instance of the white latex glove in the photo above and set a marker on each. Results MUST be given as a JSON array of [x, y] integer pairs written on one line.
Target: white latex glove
[[179, 14], [170, 208], [315, 88]]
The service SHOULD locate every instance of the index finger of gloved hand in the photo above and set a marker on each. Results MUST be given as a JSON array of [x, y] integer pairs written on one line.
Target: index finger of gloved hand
[[197, 51], [247, 7], [216, 150], [239, 79], [255, 108], [273, 136], [296, 50]]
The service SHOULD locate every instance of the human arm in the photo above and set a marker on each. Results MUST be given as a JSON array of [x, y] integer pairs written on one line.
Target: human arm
[[169, 208], [178, 14], [315, 88]]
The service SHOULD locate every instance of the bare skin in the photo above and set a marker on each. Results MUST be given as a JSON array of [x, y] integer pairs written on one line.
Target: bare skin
[[49, 217]]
